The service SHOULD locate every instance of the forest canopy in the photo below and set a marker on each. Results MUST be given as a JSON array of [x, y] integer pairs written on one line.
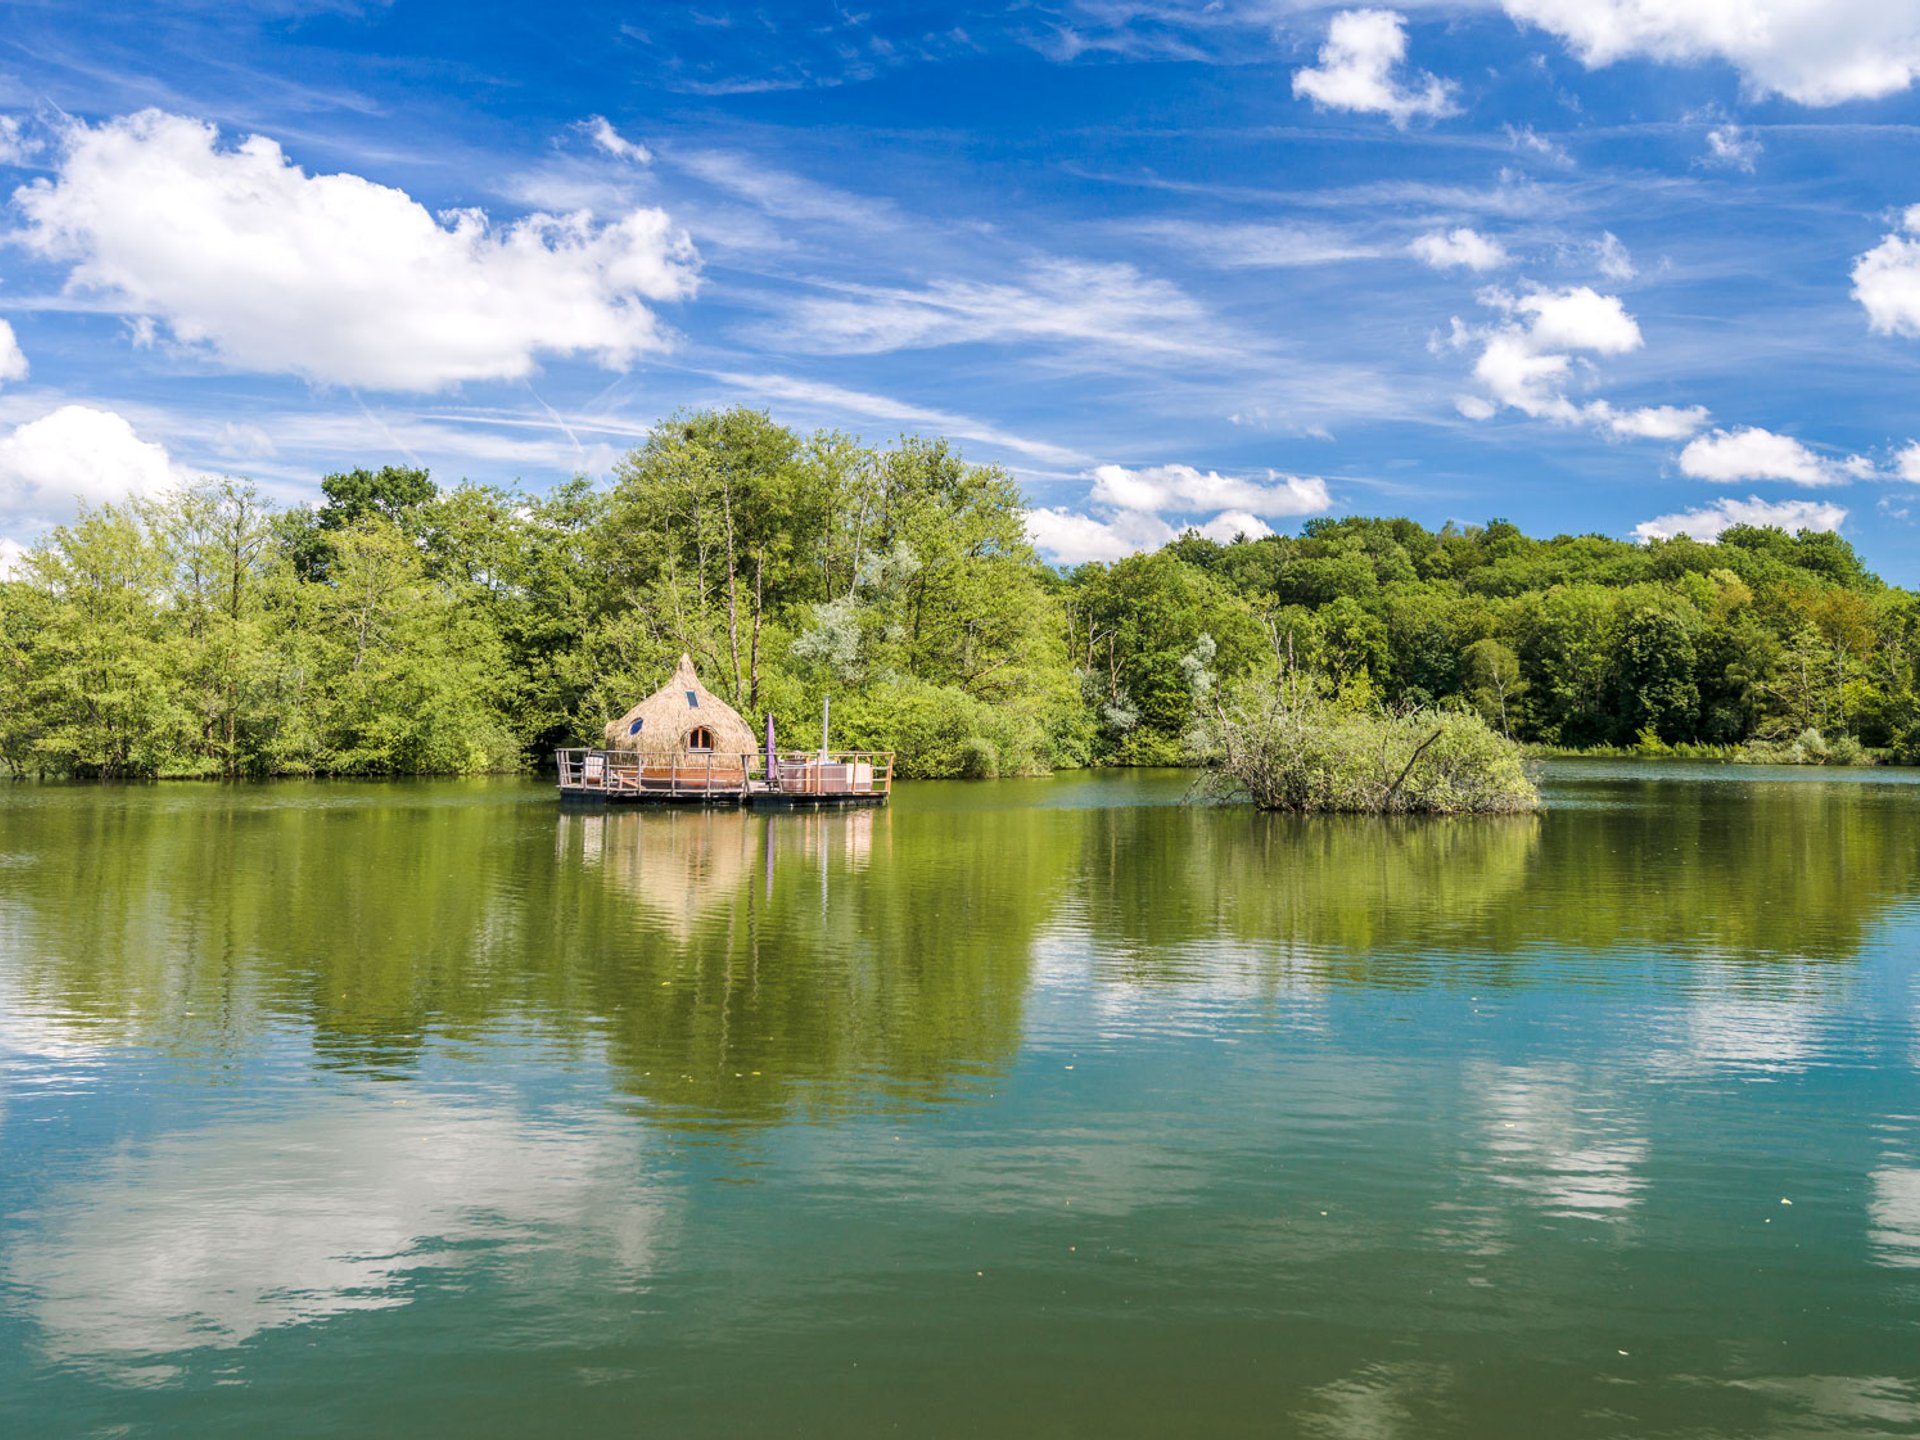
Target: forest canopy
[[402, 628]]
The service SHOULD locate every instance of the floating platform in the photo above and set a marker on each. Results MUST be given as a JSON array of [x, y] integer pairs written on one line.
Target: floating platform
[[811, 780]]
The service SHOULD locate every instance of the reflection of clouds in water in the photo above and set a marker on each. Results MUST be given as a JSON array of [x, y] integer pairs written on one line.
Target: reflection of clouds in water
[[207, 1237], [1840, 1404], [1547, 1137], [1196, 988], [39, 1051], [1086, 1171], [1379, 1402], [1781, 1034], [1894, 1210]]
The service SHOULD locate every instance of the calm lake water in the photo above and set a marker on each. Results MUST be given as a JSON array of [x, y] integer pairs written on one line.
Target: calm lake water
[[1046, 1108]]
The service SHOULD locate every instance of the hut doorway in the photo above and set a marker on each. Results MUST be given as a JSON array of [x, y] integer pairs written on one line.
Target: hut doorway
[[700, 738]]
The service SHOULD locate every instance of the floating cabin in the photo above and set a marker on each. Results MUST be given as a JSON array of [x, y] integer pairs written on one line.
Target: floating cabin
[[685, 745]]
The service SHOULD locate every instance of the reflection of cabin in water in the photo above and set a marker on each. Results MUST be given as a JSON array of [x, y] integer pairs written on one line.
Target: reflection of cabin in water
[[688, 867], [685, 744]]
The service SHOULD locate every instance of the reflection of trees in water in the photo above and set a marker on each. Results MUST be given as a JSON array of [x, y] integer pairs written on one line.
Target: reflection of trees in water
[[1773, 869], [692, 948], [1338, 894], [1751, 874], [826, 952], [872, 952]]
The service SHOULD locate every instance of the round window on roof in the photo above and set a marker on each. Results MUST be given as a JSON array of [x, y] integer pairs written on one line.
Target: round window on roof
[[634, 728], [700, 739]]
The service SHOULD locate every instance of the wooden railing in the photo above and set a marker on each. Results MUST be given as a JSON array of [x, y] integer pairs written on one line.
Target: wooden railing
[[625, 773], [844, 772]]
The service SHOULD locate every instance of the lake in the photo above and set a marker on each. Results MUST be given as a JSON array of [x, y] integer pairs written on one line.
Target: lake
[[1049, 1108]]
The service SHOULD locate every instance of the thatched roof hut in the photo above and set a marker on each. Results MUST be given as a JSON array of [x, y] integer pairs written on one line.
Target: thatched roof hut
[[683, 717]]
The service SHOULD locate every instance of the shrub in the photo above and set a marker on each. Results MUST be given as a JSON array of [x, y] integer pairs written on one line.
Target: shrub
[[1287, 746], [938, 732]]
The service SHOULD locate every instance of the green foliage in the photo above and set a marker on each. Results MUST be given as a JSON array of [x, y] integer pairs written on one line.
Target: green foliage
[[1290, 743], [401, 628], [940, 732]]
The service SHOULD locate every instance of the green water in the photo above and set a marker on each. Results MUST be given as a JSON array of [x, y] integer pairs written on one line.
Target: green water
[[1046, 1108]]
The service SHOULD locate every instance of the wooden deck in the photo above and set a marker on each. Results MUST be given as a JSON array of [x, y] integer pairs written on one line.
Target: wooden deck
[[806, 779]]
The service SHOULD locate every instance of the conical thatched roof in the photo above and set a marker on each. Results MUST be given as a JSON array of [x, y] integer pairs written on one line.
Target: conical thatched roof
[[668, 718]]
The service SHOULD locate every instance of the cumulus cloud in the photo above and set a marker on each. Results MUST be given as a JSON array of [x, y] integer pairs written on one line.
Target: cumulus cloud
[[1070, 537], [1230, 525], [78, 454], [1356, 71], [612, 142], [1886, 280], [1651, 422], [12, 552], [240, 252], [1134, 510], [13, 360], [1907, 463], [1461, 248], [1816, 52], [1527, 362], [1183, 488], [1730, 146], [1705, 522], [1752, 453]]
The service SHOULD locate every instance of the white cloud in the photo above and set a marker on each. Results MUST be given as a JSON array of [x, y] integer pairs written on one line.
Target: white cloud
[[611, 141], [780, 193], [1528, 362], [1886, 280], [1755, 454], [1356, 67], [333, 277], [1816, 52], [1229, 525], [1071, 538], [837, 400], [16, 148], [1143, 509], [11, 554], [1907, 462], [1113, 308], [1261, 247], [1731, 147], [1612, 257], [1577, 318], [1530, 141], [1183, 488], [1652, 422], [13, 360], [1707, 521], [1458, 248], [79, 454]]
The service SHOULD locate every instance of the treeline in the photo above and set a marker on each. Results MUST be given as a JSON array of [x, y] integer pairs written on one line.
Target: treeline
[[403, 629]]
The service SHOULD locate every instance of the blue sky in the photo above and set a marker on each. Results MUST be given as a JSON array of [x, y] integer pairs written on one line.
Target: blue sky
[[1584, 264]]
